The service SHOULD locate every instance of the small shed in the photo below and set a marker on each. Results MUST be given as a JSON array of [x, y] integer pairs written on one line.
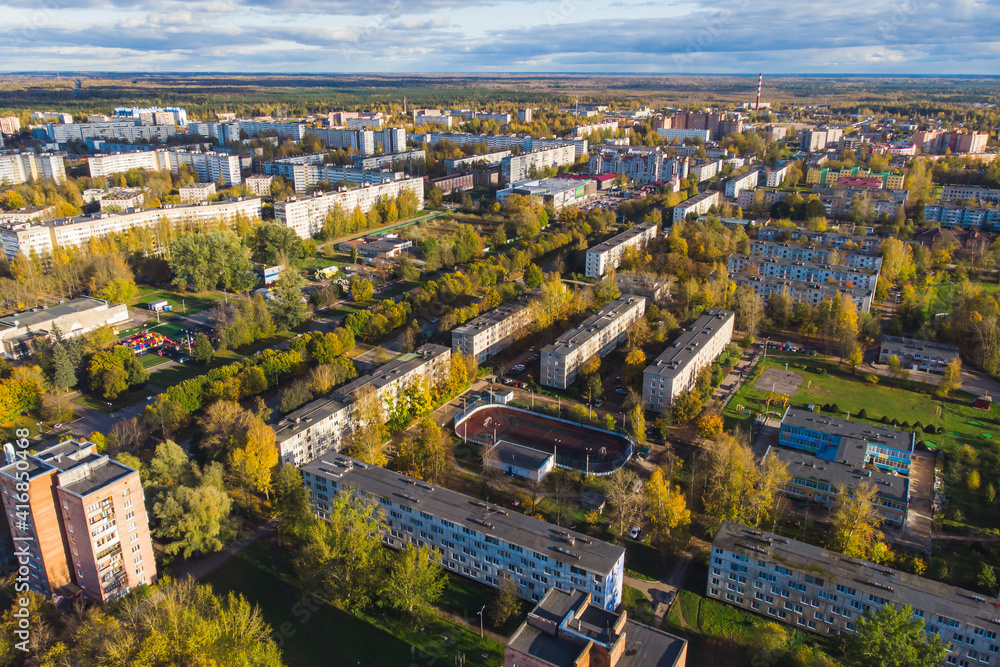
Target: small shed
[[503, 396], [160, 306], [984, 402], [521, 461]]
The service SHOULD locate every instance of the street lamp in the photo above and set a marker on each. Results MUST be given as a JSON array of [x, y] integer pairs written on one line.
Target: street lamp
[[481, 621]]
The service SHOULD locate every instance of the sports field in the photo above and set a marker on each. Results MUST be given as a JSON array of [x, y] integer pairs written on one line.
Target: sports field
[[588, 449]]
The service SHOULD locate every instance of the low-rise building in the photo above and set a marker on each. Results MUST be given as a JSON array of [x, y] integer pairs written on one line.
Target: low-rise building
[[452, 183], [555, 192], [697, 205], [599, 334], [383, 247], [306, 215], [803, 292], [566, 629], [28, 214], [81, 519], [475, 539], [676, 369], [72, 318], [518, 461], [917, 355], [812, 272], [322, 425], [196, 192], [493, 331], [607, 255], [649, 286]]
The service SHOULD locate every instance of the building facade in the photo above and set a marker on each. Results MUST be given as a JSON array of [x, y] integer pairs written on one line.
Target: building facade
[[306, 215], [599, 334], [917, 355], [676, 369], [607, 255], [812, 272], [520, 167], [82, 520], [803, 292], [858, 259], [697, 205], [475, 539], [737, 184], [493, 331], [21, 167], [75, 317]]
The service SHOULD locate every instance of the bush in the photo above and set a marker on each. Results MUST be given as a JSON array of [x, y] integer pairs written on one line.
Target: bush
[[884, 420], [905, 424], [895, 422], [834, 408], [940, 430], [930, 428], [917, 426], [826, 407], [862, 414]]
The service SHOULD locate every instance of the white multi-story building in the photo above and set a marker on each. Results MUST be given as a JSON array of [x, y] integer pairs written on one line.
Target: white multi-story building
[[826, 592], [520, 167], [475, 539], [306, 215], [812, 272], [129, 130], [363, 142], [829, 238], [737, 184], [10, 125], [676, 369], [43, 237], [177, 115], [491, 159], [254, 128], [196, 192], [116, 163], [671, 133], [492, 331], [21, 167], [859, 259], [775, 175], [211, 166], [322, 425], [970, 193], [598, 334], [392, 161], [259, 186], [584, 130], [699, 205], [641, 166], [608, 255], [705, 170], [804, 292]]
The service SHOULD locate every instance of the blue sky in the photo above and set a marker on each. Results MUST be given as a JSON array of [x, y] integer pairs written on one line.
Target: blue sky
[[671, 37]]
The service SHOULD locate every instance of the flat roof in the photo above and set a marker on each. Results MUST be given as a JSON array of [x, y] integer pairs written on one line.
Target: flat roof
[[494, 317], [846, 428], [517, 455], [820, 266], [389, 372], [39, 316], [786, 244], [920, 345], [593, 325], [513, 527], [681, 352], [858, 292], [905, 588], [624, 237]]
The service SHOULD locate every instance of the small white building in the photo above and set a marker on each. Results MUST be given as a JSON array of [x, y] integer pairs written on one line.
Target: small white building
[[521, 461]]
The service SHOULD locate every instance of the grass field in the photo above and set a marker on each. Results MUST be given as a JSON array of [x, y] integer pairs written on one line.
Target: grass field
[[942, 296], [168, 377]]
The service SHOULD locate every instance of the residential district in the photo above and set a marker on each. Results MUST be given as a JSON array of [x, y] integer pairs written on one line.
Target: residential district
[[391, 386]]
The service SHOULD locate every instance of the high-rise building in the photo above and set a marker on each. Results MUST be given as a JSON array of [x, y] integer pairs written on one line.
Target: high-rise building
[[18, 168], [81, 521]]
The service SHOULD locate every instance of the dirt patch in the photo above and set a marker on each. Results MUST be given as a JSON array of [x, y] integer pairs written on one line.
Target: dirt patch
[[784, 382]]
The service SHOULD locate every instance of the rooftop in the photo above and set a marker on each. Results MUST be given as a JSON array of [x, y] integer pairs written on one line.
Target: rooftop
[[43, 315], [919, 593], [624, 237], [79, 468], [391, 371], [681, 352], [523, 457], [845, 428], [914, 345], [742, 278], [566, 545], [593, 325], [777, 261], [493, 317]]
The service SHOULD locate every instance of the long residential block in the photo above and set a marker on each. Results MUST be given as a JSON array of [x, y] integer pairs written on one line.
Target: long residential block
[[322, 425], [804, 292], [481, 541], [493, 331], [210, 166], [859, 259], [526, 165], [829, 238], [306, 215], [698, 205], [20, 167], [676, 369], [598, 334], [81, 517], [825, 592], [813, 272], [43, 237], [608, 255]]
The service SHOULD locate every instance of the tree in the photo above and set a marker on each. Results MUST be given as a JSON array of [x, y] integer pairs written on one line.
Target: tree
[[855, 521], [637, 422], [895, 367], [294, 395], [892, 637], [251, 465], [951, 378], [113, 371], [749, 309], [367, 441], [506, 604], [344, 554], [212, 260], [666, 509], [416, 580], [166, 415], [274, 243], [710, 425], [686, 407], [740, 489], [202, 349], [423, 456], [972, 481], [63, 369], [288, 309], [195, 518], [533, 276], [361, 289], [291, 503], [626, 503], [222, 424]]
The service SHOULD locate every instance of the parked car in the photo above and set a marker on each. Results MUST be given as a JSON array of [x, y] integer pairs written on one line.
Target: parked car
[[634, 533], [599, 402], [621, 390]]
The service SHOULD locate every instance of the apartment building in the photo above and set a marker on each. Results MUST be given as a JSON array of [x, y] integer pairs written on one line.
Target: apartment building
[[970, 194], [822, 452], [607, 255], [936, 141], [584, 130], [258, 128], [125, 200], [478, 540], [322, 425], [676, 369], [813, 140], [82, 519], [42, 237], [490, 160], [598, 334], [566, 629], [21, 167], [966, 217], [917, 355], [494, 330], [306, 215], [705, 171], [698, 205], [210, 166], [520, 167], [259, 186], [452, 183], [196, 192], [116, 163], [75, 317], [775, 176], [128, 130], [28, 214], [306, 177], [175, 115], [826, 176], [671, 134], [737, 184], [224, 133], [826, 592], [830, 239], [641, 166], [497, 142], [803, 292], [392, 161], [812, 272], [10, 125]]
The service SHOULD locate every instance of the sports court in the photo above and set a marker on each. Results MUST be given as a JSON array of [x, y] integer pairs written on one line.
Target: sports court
[[592, 450]]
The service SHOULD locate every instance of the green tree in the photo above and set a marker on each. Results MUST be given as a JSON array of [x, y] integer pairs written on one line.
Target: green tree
[[416, 580], [216, 259], [274, 243], [288, 308], [892, 637], [533, 276], [202, 349], [987, 578], [291, 503], [505, 604], [195, 518], [63, 369]]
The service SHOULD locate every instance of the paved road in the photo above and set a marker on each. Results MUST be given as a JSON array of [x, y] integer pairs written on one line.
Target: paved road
[[657, 591]]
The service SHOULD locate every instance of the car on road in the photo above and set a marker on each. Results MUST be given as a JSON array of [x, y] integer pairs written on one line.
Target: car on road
[[618, 381], [634, 533], [621, 390], [519, 368], [599, 402], [669, 597]]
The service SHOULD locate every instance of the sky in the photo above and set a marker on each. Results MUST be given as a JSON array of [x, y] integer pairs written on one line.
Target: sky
[[635, 36]]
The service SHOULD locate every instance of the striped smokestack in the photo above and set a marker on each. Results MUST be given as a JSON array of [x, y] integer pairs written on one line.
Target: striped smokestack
[[760, 82]]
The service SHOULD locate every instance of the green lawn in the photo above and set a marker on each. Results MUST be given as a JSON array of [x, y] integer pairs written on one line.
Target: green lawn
[[307, 635], [177, 373], [149, 361], [644, 560], [942, 296], [183, 303]]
